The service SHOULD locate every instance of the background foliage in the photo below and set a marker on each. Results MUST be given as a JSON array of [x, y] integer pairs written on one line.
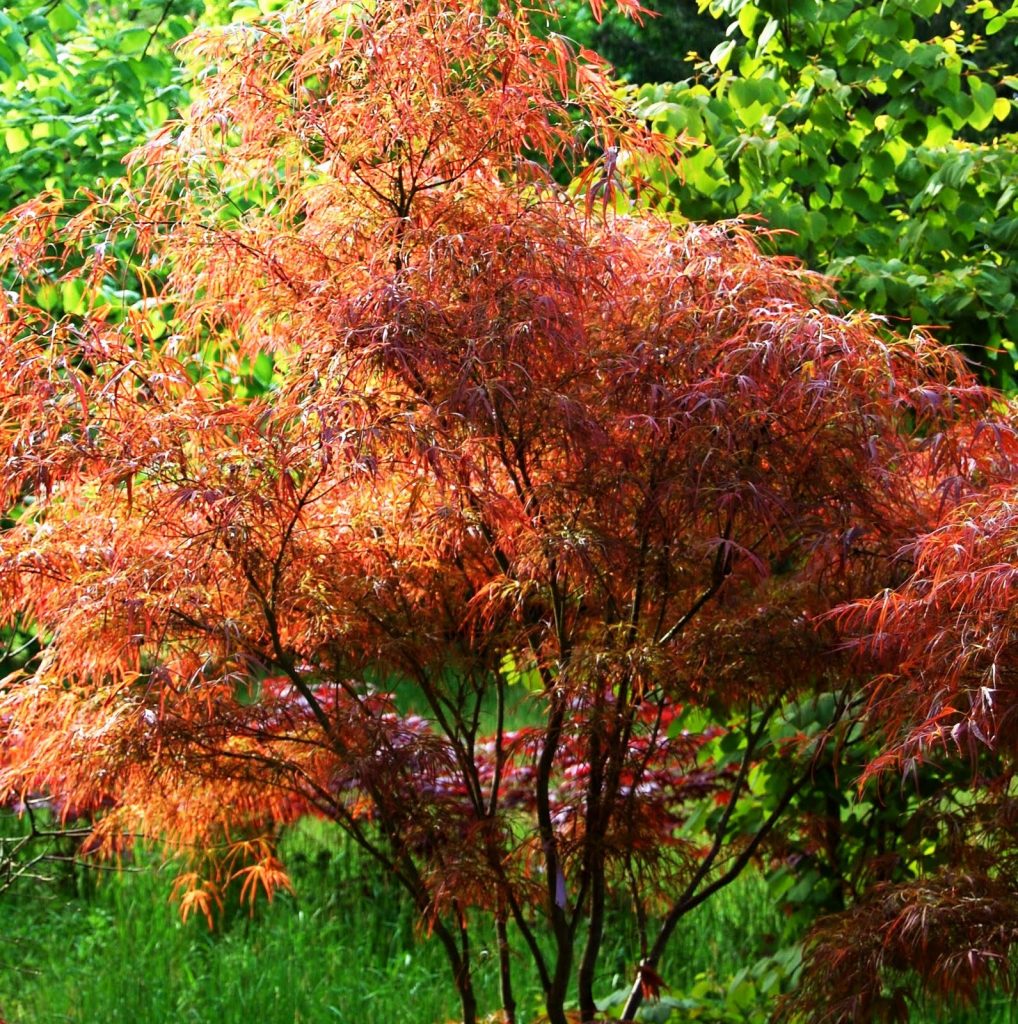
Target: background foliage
[[81, 84], [665, 47], [876, 139]]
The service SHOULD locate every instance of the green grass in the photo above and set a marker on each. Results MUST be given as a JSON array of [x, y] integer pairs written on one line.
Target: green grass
[[343, 949]]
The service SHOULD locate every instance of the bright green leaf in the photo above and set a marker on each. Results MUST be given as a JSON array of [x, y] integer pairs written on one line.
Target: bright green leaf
[[722, 53], [747, 19], [71, 295], [766, 35], [63, 18], [133, 40], [16, 140]]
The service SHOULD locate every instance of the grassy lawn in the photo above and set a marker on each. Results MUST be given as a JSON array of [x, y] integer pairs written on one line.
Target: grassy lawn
[[343, 948]]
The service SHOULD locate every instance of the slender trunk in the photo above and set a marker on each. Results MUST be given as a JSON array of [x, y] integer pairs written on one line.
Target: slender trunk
[[598, 814], [592, 949], [635, 997], [505, 980], [460, 965], [558, 899], [555, 997], [468, 1001]]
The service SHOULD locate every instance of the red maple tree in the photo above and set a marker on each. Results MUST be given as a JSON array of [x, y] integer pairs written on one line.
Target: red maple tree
[[945, 639], [515, 452]]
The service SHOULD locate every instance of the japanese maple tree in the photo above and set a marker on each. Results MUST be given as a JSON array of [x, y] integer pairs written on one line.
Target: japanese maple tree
[[945, 639], [405, 444]]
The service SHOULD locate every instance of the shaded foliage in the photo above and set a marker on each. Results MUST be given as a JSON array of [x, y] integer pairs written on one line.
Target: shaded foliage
[[664, 47], [945, 641]]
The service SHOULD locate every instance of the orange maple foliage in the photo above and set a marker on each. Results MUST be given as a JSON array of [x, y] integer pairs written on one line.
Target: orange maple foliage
[[504, 437]]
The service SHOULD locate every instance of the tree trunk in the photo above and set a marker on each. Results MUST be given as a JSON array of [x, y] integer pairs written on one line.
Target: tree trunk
[[555, 997], [505, 969], [468, 1001], [461, 973], [592, 949]]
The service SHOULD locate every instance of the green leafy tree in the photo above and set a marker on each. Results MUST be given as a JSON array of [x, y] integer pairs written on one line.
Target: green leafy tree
[[876, 147], [81, 84], [80, 87]]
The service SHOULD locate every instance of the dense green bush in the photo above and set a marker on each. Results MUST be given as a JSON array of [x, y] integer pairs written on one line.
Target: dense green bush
[[80, 84], [876, 147]]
